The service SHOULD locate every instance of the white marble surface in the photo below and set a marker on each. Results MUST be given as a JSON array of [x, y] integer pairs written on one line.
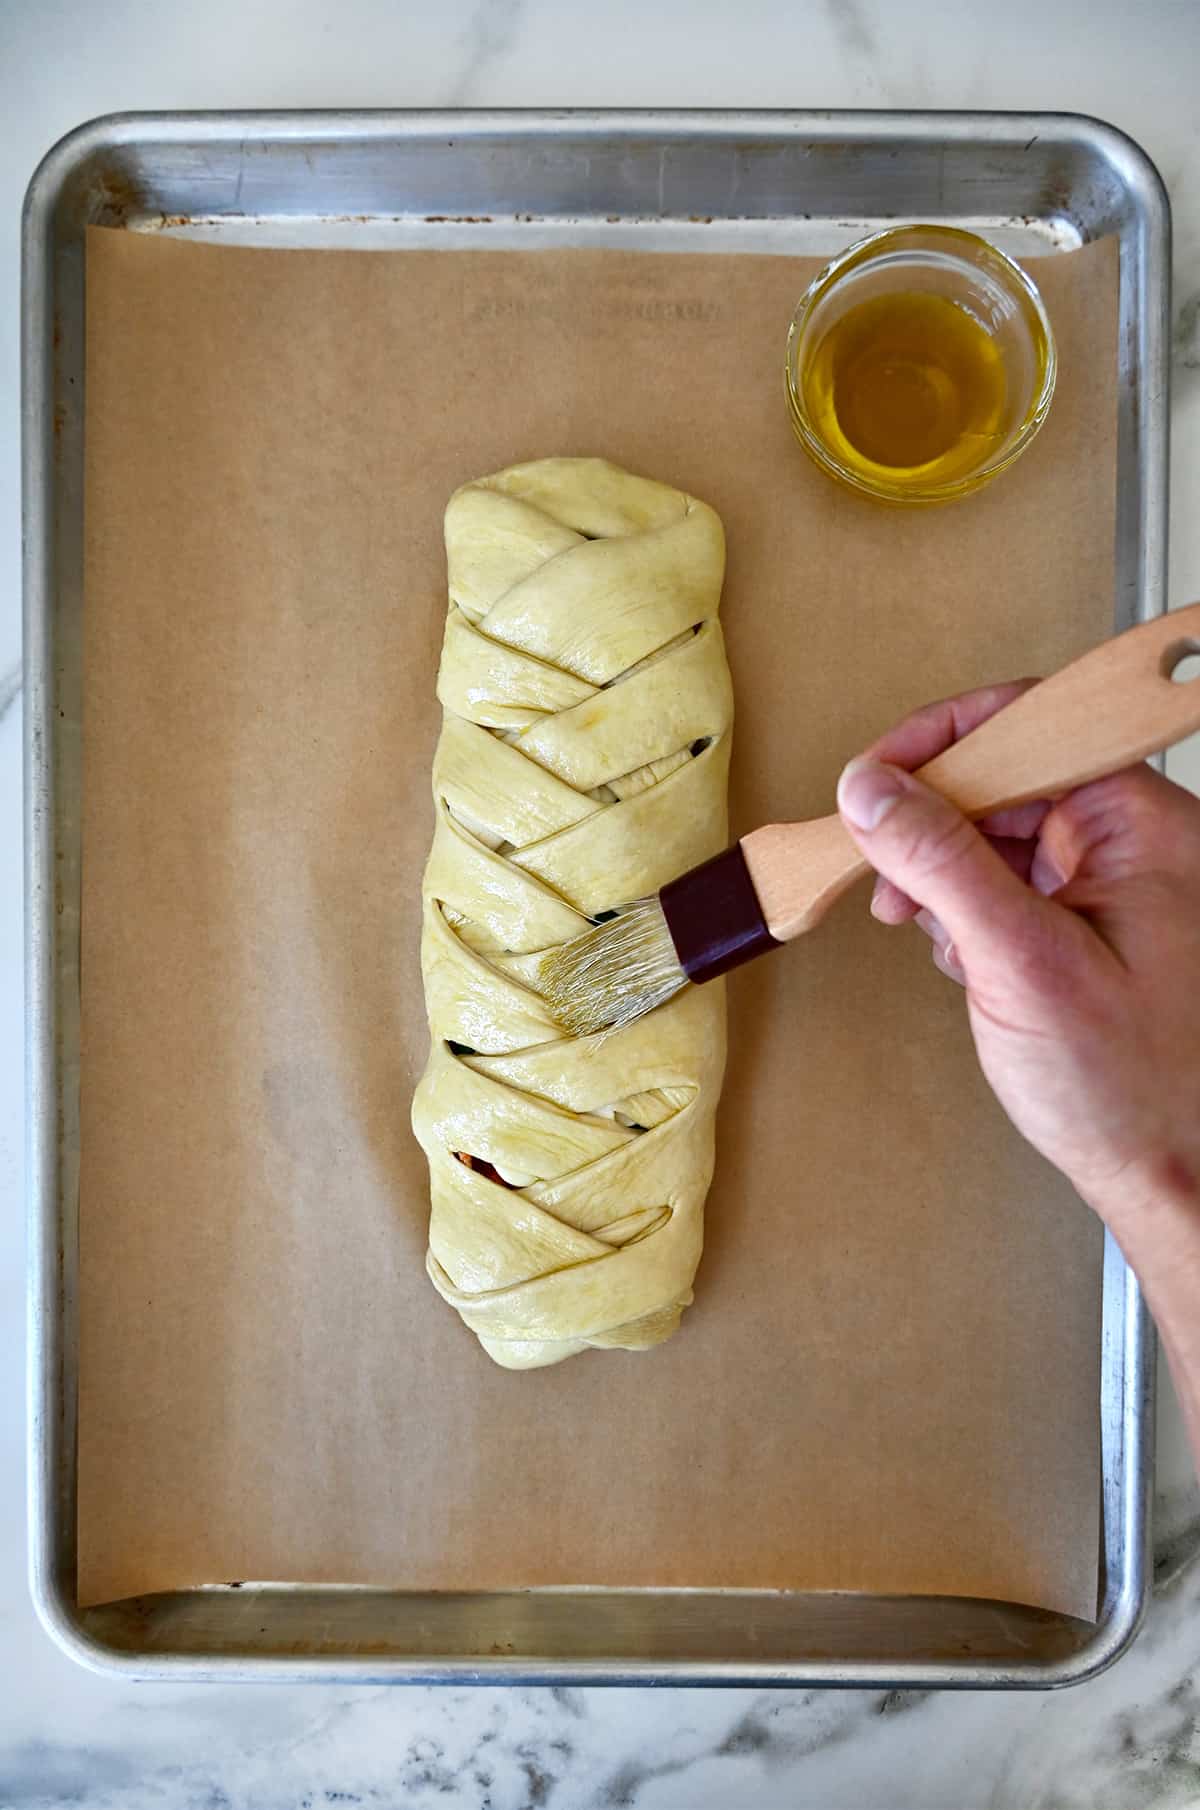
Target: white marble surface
[[1127, 1740]]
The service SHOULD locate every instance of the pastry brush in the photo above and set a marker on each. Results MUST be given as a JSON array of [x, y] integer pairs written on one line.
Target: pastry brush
[[1107, 710]]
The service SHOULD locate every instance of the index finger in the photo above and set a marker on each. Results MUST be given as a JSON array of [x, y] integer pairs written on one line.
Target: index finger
[[935, 726]]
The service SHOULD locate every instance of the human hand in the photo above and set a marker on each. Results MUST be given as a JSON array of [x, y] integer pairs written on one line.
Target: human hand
[[1075, 929]]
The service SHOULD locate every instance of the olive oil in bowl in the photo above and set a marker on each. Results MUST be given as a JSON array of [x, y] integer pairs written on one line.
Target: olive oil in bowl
[[909, 382], [919, 365]]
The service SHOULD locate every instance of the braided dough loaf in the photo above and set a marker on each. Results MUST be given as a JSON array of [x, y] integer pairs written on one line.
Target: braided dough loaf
[[582, 763]]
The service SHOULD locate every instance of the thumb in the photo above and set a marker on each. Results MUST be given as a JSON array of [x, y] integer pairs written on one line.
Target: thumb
[[925, 846]]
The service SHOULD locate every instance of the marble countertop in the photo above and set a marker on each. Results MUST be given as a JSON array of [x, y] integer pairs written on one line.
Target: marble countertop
[[1126, 1741]]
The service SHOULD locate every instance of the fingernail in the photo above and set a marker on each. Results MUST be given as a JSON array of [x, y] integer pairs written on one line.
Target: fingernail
[[867, 791], [946, 962], [879, 893], [934, 929], [1045, 875]]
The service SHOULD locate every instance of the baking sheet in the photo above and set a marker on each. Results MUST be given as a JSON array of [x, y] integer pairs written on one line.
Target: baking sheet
[[268, 1387]]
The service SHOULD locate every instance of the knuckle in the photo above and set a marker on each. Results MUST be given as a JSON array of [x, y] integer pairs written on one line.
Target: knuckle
[[931, 843], [1027, 973], [1130, 799], [1115, 824], [1046, 959], [1039, 958]]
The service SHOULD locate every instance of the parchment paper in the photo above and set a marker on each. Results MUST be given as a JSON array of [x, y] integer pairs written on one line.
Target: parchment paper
[[889, 1379]]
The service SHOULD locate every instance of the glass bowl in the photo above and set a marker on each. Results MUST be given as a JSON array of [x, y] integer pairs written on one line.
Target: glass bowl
[[1007, 331]]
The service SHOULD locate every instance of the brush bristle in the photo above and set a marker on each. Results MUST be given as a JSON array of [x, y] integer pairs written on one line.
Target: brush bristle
[[613, 973]]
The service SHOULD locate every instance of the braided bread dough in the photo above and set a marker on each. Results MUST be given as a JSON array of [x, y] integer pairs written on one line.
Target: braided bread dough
[[582, 763]]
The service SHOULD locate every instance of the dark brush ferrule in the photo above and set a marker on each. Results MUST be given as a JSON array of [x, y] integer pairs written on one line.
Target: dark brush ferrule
[[714, 916]]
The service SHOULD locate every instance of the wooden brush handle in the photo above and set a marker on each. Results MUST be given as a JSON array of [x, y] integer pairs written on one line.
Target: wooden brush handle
[[1107, 710]]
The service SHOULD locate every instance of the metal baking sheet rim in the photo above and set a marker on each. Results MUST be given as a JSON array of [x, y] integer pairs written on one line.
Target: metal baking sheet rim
[[1025, 165]]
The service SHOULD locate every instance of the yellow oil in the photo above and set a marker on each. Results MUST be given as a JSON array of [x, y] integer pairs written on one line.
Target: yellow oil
[[909, 382]]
